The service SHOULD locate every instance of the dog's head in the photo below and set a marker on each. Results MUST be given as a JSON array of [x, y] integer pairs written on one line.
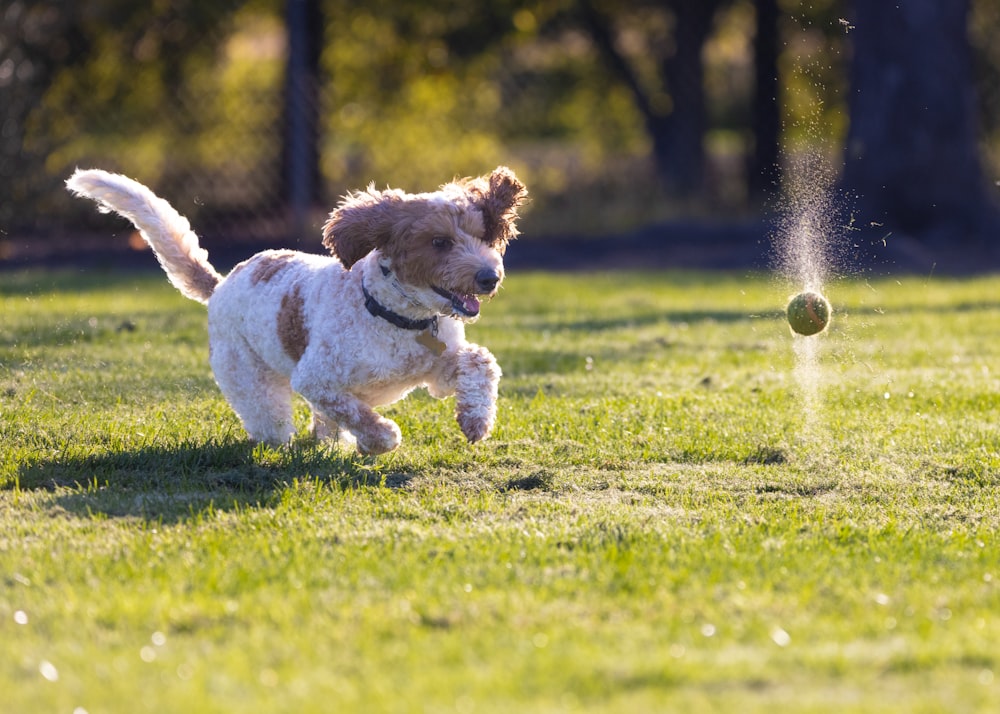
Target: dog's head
[[446, 246]]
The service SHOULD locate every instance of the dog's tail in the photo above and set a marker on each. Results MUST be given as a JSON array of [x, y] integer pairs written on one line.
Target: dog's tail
[[168, 233]]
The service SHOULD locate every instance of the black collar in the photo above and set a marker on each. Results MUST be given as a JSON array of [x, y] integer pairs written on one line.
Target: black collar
[[379, 310]]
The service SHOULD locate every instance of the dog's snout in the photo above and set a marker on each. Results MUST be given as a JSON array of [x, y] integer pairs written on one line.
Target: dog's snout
[[487, 280]]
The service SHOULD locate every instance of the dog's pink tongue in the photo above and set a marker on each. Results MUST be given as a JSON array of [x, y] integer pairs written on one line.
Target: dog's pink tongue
[[470, 304]]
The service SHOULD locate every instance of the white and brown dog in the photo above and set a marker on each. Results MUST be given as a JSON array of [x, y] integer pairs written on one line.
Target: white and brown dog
[[354, 331]]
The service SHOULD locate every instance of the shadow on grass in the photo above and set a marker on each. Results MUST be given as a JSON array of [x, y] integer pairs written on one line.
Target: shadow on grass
[[174, 483], [76, 281], [648, 317], [536, 361]]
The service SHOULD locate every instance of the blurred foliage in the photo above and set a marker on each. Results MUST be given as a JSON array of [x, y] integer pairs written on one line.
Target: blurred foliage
[[814, 68], [441, 88], [187, 96], [156, 93]]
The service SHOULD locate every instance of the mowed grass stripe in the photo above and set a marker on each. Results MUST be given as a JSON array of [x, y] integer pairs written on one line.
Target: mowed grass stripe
[[655, 525]]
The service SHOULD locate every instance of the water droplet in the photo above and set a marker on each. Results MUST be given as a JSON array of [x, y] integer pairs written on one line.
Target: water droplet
[[159, 639], [21, 617], [708, 629], [882, 599], [540, 640], [48, 671], [780, 637], [185, 671]]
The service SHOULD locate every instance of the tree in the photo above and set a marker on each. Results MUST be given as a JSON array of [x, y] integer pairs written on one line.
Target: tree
[[911, 154], [36, 40], [88, 60], [762, 172], [672, 100], [300, 154]]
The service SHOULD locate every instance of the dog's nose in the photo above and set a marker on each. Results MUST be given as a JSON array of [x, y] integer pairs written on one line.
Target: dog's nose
[[487, 279]]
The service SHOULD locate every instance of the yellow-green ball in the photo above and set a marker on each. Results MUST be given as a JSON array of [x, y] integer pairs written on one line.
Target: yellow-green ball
[[808, 313]]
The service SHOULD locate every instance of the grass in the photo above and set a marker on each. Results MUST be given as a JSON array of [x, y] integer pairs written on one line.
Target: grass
[[671, 515]]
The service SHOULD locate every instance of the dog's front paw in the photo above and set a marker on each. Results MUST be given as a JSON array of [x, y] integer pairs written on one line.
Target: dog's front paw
[[476, 393], [475, 429], [475, 420], [384, 436]]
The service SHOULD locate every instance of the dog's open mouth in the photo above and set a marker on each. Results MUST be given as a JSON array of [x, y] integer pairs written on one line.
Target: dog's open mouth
[[467, 305]]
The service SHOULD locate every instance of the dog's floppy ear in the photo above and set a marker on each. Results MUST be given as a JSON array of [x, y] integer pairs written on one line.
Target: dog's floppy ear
[[360, 224], [499, 204]]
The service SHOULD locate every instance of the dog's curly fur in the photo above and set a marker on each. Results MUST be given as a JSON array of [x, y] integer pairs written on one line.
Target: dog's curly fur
[[352, 331]]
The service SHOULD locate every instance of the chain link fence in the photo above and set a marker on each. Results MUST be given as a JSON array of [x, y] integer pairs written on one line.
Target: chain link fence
[[193, 98]]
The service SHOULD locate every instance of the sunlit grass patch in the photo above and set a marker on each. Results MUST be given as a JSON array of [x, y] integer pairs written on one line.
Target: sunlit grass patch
[[657, 523]]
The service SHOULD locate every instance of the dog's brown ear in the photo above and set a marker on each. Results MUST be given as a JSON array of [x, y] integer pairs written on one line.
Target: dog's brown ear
[[360, 224], [499, 205]]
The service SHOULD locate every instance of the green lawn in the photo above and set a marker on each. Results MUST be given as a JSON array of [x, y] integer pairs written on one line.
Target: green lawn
[[674, 514]]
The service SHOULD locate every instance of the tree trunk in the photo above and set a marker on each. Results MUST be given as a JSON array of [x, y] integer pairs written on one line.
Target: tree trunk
[[300, 152], [911, 155], [677, 133], [763, 171], [679, 138]]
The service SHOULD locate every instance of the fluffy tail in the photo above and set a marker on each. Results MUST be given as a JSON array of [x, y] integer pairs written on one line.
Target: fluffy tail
[[168, 233]]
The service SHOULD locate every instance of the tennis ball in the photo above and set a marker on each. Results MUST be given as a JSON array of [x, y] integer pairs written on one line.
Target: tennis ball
[[808, 313]]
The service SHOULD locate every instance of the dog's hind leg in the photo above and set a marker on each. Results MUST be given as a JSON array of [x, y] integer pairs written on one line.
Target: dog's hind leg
[[323, 427], [261, 397], [373, 433]]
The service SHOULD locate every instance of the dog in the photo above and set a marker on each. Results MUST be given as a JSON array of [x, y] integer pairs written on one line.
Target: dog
[[385, 313]]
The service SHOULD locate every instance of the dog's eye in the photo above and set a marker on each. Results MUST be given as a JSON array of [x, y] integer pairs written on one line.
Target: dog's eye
[[441, 242]]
